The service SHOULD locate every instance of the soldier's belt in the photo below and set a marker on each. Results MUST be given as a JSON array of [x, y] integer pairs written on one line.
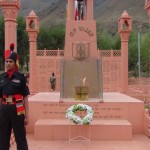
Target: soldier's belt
[[12, 99], [16, 99], [15, 96], [8, 100]]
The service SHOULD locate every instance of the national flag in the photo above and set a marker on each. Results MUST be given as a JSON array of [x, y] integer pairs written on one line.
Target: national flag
[[76, 10]]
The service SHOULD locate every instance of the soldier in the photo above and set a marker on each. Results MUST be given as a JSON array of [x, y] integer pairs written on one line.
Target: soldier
[[53, 82], [13, 104], [80, 9]]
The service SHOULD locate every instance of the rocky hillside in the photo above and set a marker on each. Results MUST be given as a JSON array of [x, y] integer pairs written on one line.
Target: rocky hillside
[[106, 12]]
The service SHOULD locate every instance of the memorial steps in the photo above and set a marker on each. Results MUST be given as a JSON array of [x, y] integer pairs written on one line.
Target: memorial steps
[[119, 117], [51, 129]]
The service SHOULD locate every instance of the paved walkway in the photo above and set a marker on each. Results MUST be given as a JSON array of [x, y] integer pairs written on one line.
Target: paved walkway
[[139, 142]]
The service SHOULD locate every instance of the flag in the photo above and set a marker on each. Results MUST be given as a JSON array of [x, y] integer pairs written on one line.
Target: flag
[[76, 10], [82, 16], [81, 5]]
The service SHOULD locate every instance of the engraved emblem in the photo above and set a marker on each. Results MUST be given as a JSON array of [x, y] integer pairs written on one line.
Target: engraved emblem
[[80, 51]]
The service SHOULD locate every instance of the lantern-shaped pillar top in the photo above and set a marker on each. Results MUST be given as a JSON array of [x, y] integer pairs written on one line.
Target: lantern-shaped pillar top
[[32, 22], [125, 22]]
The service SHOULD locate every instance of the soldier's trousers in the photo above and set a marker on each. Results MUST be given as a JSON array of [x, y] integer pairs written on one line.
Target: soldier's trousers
[[10, 120]]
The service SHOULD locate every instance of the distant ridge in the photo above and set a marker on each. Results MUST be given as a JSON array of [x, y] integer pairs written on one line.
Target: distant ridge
[[106, 12]]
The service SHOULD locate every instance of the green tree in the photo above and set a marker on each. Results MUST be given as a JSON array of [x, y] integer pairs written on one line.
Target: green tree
[[145, 53], [44, 38], [22, 43], [107, 41], [51, 37], [58, 33], [133, 53]]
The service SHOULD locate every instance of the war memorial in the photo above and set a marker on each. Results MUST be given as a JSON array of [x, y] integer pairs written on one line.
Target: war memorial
[[86, 77]]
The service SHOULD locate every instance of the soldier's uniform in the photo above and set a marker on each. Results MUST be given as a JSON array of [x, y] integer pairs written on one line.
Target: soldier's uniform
[[12, 111], [80, 9], [53, 82]]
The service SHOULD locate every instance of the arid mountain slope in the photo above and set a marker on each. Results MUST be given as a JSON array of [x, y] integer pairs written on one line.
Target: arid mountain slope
[[106, 12]]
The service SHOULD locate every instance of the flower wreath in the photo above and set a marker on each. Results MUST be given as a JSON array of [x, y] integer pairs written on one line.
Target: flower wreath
[[70, 114]]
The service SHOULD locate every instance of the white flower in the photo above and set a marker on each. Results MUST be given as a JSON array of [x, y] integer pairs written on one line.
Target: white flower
[[70, 114]]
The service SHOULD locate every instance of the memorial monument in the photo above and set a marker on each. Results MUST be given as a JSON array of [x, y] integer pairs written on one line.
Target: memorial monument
[[81, 57], [81, 82], [80, 71]]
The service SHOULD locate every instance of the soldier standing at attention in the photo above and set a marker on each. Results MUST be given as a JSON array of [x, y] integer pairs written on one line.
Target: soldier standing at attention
[[80, 9], [13, 103], [53, 82]]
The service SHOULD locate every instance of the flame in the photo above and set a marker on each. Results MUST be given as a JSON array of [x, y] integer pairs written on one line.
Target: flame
[[84, 81]]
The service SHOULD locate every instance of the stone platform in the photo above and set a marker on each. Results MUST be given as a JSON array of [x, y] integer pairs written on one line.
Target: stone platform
[[50, 129], [117, 118], [138, 142]]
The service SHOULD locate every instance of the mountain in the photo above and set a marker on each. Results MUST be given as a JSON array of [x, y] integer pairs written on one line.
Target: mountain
[[106, 12]]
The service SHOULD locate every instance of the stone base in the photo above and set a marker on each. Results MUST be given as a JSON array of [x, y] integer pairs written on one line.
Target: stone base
[[118, 113], [52, 129]]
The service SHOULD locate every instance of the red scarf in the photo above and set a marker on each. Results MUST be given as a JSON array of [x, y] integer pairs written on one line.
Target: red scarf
[[10, 72]]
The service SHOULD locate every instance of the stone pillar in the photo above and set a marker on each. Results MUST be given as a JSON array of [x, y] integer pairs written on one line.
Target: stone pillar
[[125, 28], [81, 32], [89, 10], [71, 13], [81, 48], [32, 27], [10, 10]]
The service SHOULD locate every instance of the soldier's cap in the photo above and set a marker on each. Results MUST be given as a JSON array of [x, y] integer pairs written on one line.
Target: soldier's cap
[[12, 45], [11, 55]]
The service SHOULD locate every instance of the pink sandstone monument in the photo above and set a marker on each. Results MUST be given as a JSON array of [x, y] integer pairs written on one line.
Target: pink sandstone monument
[[81, 57], [10, 11], [115, 118], [114, 63]]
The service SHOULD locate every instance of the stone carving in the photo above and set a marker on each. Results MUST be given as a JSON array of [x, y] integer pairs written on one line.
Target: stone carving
[[80, 51]]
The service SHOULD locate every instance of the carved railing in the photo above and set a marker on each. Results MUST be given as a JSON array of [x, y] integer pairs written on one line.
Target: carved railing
[[50, 53], [139, 81], [103, 53], [139, 88], [110, 53]]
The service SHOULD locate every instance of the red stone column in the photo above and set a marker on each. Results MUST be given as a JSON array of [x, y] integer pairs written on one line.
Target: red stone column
[[71, 9], [125, 27], [89, 10], [10, 11], [32, 27]]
